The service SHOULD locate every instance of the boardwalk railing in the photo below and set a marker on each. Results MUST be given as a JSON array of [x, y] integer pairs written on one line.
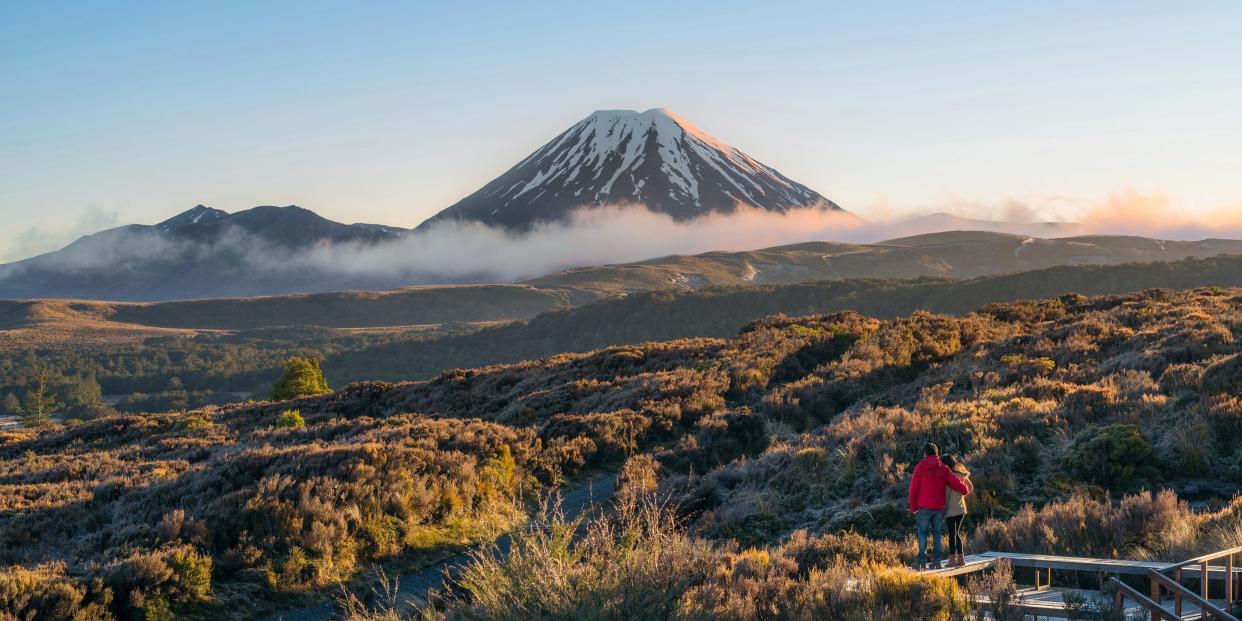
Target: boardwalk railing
[[1160, 581], [1171, 578], [1165, 579], [1123, 592]]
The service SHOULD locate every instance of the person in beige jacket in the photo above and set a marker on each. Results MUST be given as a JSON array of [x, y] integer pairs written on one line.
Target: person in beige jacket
[[955, 511]]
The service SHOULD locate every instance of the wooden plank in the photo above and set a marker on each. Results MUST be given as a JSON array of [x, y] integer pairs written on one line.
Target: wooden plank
[[974, 563], [1045, 602], [1107, 565], [1076, 563]]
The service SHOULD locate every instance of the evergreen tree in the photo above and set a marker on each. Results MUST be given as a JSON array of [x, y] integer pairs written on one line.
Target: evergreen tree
[[302, 378], [37, 411]]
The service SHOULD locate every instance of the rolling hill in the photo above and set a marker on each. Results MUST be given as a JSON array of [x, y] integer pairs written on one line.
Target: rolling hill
[[718, 312], [786, 446], [952, 254], [940, 255]]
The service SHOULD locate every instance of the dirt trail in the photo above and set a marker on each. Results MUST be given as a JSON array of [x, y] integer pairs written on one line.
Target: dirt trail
[[414, 586]]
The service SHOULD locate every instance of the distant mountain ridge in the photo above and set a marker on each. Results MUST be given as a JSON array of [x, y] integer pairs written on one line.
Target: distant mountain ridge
[[655, 158], [202, 252], [289, 226], [209, 253]]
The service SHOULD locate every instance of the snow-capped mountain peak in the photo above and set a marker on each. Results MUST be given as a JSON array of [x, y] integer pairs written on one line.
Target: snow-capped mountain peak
[[653, 158]]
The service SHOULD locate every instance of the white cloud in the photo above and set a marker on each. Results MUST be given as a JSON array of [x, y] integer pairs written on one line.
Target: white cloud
[[37, 240]]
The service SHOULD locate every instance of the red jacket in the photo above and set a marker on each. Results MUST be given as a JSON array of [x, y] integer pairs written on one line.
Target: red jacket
[[927, 486]]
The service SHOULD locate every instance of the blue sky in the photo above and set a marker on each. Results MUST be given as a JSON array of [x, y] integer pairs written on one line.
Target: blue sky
[[130, 112]]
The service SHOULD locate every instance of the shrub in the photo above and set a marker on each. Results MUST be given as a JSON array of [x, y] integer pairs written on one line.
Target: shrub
[[614, 434], [639, 564], [1118, 457], [639, 478], [290, 419], [302, 378], [1223, 377], [191, 576], [195, 423], [1143, 524], [998, 590], [45, 592]]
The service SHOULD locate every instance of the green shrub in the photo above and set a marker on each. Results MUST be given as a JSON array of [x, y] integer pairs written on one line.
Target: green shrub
[[195, 423], [191, 576], [290, 419], [302, 378], [157, 609], [1118, 457]]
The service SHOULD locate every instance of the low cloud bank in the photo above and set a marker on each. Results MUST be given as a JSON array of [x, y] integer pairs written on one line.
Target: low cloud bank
[[471, 252], [590, 237]]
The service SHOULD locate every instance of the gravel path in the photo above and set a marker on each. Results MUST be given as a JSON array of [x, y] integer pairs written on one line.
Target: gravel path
[[415, 585]]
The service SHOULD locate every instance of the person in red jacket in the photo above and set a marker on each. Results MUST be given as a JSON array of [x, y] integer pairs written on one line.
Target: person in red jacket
[[927, 499]]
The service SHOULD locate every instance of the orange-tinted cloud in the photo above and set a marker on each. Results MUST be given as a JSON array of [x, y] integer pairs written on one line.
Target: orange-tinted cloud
[[1156, 215]]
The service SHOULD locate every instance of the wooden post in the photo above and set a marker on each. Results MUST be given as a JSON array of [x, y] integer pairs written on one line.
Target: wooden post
[[1155, 590], [1229, 582], [1119, 600], [1177, 595], [1203, 579]]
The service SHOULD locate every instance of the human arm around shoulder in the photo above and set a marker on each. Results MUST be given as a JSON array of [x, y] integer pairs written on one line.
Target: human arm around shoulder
[[958, 485]]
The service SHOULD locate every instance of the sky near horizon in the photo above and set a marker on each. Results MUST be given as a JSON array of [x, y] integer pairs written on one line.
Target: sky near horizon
[[120, 112]]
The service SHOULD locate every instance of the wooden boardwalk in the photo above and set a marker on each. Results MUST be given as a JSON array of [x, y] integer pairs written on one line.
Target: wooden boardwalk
[[1110, 566], [1169, 598], [986, 560], [1049, 603]]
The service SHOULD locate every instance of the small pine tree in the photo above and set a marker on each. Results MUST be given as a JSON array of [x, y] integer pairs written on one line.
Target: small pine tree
[[302, 378], [37, 411]]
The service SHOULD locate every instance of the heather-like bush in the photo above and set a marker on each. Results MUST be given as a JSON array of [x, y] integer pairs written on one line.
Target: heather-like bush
[[638, 564], [796, 426], [1118, 457], [46, 592], [1143, 524]]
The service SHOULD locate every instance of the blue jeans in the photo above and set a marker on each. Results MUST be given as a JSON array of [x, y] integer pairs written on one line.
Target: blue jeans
[[933, 520]]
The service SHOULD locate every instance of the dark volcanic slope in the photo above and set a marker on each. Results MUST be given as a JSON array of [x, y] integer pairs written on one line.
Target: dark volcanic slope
[[654, 158], [202, 252]]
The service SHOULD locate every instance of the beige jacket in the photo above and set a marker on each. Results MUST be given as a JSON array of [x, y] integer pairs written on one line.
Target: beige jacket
[[955, 503]]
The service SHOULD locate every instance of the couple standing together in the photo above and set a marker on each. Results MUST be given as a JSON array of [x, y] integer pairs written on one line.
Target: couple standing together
[[938, 501]]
